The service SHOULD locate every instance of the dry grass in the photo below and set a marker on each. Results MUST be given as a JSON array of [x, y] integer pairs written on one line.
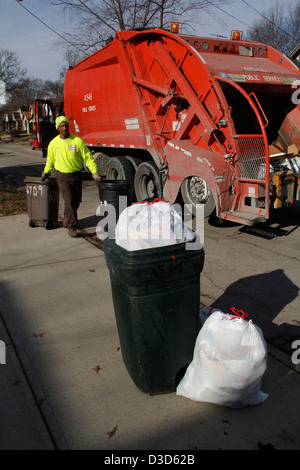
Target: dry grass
[[12, 201], [22, 139]]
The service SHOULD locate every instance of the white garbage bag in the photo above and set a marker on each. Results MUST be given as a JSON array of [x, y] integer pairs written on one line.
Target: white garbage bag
[[229, 361], [204, 313], [151, 224]]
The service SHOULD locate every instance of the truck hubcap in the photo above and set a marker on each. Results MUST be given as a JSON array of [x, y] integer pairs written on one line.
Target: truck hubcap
[[199, 189]]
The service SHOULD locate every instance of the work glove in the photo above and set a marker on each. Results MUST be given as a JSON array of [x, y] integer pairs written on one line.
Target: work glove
[[44, 176], [96, 177]]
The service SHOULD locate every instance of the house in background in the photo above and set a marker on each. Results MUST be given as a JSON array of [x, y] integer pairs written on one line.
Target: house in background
[[23, 119], [28, 121], [12, 121]]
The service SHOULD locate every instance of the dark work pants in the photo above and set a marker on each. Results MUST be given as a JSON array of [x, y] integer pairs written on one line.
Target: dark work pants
[[70, 186]]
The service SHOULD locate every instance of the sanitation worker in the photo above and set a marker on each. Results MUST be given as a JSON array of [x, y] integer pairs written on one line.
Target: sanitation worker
[[66, 153]]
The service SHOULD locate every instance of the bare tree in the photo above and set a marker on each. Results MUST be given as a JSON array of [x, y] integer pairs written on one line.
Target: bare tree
[[99, 20], [279, 27], [25, 94], [11, 71], [293, 25], [54, 90]]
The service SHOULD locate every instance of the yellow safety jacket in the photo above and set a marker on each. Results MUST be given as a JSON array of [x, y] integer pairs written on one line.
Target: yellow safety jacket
[[67, 155]]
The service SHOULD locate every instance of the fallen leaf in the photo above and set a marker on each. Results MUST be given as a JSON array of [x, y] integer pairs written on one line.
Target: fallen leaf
[[91, 270], [225, 421], [116, 349], [112, 433], [38, 335], [96, 369], [284, 435]]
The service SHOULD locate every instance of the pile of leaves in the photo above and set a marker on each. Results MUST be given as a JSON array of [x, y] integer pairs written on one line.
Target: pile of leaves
[[12, 201]]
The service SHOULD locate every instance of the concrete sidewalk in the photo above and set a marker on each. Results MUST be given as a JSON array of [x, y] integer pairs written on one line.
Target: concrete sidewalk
[[64, 384]]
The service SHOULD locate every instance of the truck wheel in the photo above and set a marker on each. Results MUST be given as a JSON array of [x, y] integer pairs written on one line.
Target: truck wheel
[[194, 190], [119, 168], [134, 161], [147, 182], [101, 160]]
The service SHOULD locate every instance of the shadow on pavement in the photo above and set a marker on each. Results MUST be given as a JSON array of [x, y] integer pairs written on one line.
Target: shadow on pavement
[[263, 297], [281, 223], [15, 175]]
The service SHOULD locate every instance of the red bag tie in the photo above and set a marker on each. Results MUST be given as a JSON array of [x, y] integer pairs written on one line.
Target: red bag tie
[[238, 313]]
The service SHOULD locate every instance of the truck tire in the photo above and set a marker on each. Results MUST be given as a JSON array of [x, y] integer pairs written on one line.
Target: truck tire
[[119, 168], [134, 161], [194, 190], [147, 182], [101, 160]]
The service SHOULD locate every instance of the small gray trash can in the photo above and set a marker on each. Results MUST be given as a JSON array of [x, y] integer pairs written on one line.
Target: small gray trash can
[[42, 198]]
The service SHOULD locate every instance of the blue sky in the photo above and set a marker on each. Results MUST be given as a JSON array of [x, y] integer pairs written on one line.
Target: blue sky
[[34, 43]]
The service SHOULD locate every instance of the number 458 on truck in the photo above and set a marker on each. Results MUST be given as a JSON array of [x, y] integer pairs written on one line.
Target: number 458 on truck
[[214, 121]]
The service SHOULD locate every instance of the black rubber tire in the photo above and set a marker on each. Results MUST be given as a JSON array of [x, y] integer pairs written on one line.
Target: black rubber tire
[[31, 223], [48, 224], [147, 181], [134, 161], [194, 191], [119, 168], [101, 160]]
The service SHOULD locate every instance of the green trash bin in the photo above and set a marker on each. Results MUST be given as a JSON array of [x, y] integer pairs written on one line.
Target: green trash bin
[[156, 297], [118, 194]]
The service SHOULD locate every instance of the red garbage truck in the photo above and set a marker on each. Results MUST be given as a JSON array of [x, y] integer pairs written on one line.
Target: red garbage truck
[[211, 120]]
